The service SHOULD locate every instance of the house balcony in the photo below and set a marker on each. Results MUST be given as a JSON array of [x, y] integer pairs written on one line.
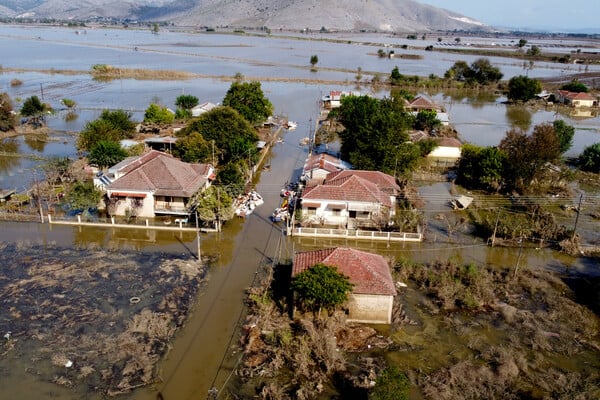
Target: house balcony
[[171, 210]]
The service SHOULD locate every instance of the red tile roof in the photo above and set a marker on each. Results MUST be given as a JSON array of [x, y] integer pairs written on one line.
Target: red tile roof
[[368, 272], [323, 161], [422, 103], [164, 175], [576, 95], [354, 185], [448, 142]]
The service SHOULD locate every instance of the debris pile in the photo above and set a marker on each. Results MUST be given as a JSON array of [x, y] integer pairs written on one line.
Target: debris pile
[[93, 318]]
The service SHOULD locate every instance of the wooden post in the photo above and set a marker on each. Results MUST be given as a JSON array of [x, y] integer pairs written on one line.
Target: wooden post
[[495, 228], [577, 216]]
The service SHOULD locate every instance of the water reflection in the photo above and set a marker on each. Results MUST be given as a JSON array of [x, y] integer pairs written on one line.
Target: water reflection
[[36, 142], [519, 117], [8, 162], [70, 116], [476, 98]]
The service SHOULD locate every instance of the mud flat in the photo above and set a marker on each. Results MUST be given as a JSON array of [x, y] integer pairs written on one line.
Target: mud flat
[[91, 320]]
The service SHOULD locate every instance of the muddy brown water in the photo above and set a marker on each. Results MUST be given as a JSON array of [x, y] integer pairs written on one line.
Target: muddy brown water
[[200, 358]]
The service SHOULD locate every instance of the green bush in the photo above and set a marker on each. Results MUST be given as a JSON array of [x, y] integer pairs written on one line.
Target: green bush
[[391, 384], [158, 114]]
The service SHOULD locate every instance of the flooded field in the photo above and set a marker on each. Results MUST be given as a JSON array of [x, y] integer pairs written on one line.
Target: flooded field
[[205, 350]]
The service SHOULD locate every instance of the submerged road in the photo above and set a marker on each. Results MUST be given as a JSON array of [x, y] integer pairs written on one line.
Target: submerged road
[[197, 361]]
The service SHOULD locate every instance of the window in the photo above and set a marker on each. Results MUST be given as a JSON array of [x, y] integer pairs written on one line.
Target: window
[[336, 212], [311, 211]]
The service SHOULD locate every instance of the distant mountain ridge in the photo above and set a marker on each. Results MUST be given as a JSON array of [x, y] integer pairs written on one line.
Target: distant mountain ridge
[[380, 15]]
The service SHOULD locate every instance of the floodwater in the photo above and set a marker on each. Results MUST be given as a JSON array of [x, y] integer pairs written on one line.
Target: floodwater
[[40, 50], [201, 356]]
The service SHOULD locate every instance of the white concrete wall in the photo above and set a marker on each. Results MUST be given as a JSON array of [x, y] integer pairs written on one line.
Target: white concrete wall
[[146, 210], [370, 309]]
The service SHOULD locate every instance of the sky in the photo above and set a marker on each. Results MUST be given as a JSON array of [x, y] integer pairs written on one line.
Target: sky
[[563, 15]]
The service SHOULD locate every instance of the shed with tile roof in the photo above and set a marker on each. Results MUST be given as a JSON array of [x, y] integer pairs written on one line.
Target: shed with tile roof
[[372, 297]]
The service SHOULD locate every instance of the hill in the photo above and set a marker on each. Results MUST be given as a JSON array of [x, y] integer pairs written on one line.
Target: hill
[[379, 15]]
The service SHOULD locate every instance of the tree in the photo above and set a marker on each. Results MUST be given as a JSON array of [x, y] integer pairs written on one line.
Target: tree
[[460, 71], [110, 126], [106, 153], [589, 160], [534, 51], [427, 120], [522, 88], [522, 43], [314, 59], [375, 134], [214, 205], [481, 167], [32, 106], [321, 286], [231, 178], [249, 100], [121, 120], [83, 196], [483, 72], [395, 76], [7, 118], [391, 384], [564, 133], [528, 155], [96, 131], [233, 136], [575, 86], [186, 101], [192, 148], [480, 71], [157, 114]]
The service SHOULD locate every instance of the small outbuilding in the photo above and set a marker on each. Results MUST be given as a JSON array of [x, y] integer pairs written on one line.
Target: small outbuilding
[[372, 297]]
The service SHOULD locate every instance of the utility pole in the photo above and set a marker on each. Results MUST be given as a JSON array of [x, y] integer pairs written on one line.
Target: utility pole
[[518, 257], [198, 237]]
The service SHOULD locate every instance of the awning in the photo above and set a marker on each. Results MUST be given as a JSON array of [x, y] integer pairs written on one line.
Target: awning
[[123, 194], [309, 204]]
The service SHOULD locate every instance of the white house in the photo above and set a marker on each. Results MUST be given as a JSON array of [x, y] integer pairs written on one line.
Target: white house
[[351, 199], [372, 298], [334, 98], [447, 152], [202, 108], [575, 99], [154, 184], [318, 166]]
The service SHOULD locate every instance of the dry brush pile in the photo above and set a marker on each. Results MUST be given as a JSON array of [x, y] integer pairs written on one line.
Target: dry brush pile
[[303, 357], [92, 319]]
